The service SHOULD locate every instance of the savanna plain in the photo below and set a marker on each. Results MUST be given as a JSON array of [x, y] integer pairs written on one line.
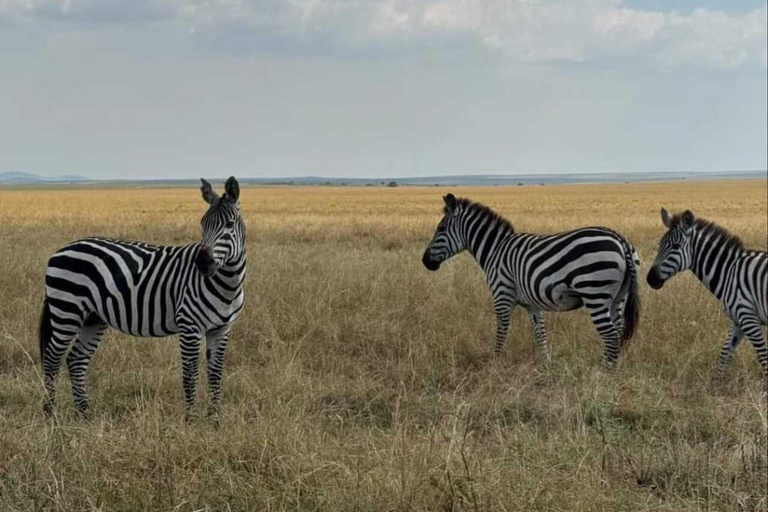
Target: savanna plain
[[356, 380]]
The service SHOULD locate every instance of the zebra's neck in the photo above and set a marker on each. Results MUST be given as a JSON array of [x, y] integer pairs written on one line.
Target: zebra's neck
[[713, 253], [228, 279], [483, 232]]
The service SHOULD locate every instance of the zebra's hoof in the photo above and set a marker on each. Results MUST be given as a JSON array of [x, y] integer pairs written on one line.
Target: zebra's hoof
[[215, 417]]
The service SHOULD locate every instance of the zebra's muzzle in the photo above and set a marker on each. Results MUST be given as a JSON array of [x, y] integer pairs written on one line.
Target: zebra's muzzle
[[205, 262], [428, 262], [654, 279]]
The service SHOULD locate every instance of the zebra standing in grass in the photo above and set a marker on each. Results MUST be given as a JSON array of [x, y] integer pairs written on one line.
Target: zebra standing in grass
[[194, 290], [591, 267], [737, 276]]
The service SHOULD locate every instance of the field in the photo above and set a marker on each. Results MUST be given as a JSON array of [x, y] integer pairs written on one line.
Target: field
[[358, 381]]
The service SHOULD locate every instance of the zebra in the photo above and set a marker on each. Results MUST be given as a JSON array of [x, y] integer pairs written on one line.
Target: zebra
[[193, 290], [737, 276], [592, 267]]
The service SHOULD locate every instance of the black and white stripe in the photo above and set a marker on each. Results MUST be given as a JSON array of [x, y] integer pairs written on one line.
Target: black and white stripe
[[591, 267], [737, 276], [194, 290]]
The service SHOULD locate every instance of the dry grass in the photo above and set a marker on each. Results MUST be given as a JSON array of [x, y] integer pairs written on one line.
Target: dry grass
[[357, 380]]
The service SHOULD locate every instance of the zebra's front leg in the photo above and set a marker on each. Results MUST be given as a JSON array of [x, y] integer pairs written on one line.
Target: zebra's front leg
[[601, 317], [189, 341], [503, 308], [216, 345], [79, 357], [540, 333], [726, 353]]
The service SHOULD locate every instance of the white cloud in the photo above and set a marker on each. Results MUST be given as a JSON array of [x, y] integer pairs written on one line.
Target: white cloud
[[87, 10], [590, 31], [629, 23]]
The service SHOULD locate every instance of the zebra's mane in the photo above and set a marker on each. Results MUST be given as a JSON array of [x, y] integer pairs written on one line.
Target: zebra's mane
[[710, 228], [468, 206]]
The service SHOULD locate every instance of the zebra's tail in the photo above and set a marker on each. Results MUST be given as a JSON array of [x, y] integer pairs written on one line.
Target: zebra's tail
[[46, 330], [632, 306]]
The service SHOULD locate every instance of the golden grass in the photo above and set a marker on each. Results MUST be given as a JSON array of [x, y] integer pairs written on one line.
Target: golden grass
[[357, 380]]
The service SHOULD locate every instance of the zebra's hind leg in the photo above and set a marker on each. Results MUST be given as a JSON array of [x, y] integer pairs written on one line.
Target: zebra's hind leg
[[58, 327], [726, 353], [540, 333], [753, 330], [600, 314], [78, 358], [616, 309], [216, 345]]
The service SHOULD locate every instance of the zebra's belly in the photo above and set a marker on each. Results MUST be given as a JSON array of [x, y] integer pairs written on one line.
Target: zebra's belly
[[557, 298], [150, 320], [155, 329]]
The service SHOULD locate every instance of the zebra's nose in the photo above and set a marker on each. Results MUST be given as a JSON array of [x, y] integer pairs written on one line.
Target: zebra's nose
[[205, 262], [429, 262], [654, 279]]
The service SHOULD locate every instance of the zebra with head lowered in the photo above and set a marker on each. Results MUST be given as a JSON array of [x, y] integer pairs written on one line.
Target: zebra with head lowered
[[737, 276], [194, 290], [591, 267]]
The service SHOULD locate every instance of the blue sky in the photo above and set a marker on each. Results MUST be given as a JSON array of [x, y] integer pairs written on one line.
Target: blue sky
[[180, 89]]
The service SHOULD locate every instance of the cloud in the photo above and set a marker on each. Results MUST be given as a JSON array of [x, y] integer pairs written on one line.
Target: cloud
[[530, 31], [25, 11]]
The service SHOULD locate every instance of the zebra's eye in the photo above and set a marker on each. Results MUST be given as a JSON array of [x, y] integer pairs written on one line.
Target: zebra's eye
[[230, 224], [676, 245]]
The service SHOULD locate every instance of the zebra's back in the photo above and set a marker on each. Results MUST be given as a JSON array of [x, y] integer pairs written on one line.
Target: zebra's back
[[132, 286]]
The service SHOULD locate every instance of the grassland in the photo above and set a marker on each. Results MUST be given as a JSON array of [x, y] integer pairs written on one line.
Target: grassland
[[357, 380]]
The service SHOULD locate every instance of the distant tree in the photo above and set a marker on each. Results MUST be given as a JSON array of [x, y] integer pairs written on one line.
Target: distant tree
[[392, 184], [519, 183]]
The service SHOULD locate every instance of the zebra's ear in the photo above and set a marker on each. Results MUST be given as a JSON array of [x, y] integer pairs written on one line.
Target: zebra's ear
[[688, 220], [209, 195], [450, 204], [665, 217], [232, 188]]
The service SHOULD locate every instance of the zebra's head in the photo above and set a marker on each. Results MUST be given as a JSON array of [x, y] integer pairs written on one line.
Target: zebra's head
[[447, 240], [675, 248], [223, 229]]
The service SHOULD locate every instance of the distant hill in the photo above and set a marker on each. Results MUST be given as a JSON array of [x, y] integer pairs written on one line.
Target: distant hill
[[457, 180], [25, 177]]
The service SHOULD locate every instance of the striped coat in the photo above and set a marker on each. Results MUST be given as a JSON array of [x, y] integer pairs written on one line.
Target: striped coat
[[194, 290], [595, 268], [737, 276]]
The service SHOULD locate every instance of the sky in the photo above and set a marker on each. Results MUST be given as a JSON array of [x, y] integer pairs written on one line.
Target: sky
[[381, 88]]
